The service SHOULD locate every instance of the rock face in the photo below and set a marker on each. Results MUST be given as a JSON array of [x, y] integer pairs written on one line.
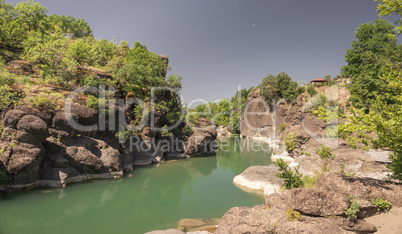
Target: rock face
[[322, 209], [257, 121], [201, 142], [40, 148], [263, 219]]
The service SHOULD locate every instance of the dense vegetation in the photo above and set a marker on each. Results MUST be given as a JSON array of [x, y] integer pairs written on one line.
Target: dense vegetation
[[274, 88], [224, 113], [374, 42], [378, 85], [63, 52]]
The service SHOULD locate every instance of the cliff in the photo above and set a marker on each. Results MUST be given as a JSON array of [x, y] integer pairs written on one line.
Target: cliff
[[51, 137], [332, 169]]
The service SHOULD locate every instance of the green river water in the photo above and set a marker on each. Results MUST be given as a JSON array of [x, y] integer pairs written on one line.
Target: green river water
[[150, 198]]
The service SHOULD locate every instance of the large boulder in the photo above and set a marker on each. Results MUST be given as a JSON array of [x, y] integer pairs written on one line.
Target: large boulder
[[12, 117], [329, 197], [201, 142], [262, 179], [81, 159], [317, 202], [83, 115], [22, 162], [94, 156], [263, 219], [60, 128], [31, 130], [29, 110]]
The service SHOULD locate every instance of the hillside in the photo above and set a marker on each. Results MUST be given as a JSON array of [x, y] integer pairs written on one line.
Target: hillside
[[76, 108]]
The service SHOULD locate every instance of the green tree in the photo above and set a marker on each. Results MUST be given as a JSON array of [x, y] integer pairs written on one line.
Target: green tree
[[390, 7], [75, 27], [142, 70], [11, 31], [276, 87], [48, 53], [102, 51], [224, 113], [32, 15], [384, 117], [373, 42], [372, 39]]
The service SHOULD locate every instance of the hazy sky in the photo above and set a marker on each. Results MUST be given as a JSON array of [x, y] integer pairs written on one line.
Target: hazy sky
[[216, 45]]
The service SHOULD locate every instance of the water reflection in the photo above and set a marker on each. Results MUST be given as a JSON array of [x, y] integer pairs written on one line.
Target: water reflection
[[243, 153], [153, 198]]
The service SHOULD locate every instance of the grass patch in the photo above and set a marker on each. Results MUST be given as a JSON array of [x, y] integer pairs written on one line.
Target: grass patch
[[43, 103], [325, 152], [293, 215], [309, 182]]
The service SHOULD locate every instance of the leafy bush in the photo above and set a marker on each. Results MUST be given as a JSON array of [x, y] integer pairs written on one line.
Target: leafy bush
[[332, 82], [292, 178], [290, 141], [93, 102], [324, 152], [354, 207], [293, 215], [43, 103], [165, 132], [8, 97], [382, 205], [311, 90], [186, 132], [282, 127], [301, 89]]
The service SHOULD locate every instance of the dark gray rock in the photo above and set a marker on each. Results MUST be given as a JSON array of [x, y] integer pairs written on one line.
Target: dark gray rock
[[12, 117], [31, 130]]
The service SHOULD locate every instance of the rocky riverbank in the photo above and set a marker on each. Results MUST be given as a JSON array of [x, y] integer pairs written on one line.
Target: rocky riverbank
[[41, 148], [320, 207], [342, 172]]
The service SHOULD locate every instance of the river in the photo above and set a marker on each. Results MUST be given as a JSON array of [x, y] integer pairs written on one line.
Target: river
[[149, 198]]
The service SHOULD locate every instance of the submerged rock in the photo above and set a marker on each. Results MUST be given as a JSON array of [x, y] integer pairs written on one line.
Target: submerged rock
[[192, 225], [168, 231]]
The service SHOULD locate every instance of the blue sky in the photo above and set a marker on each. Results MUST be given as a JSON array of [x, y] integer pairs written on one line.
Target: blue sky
[[216, 45]]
